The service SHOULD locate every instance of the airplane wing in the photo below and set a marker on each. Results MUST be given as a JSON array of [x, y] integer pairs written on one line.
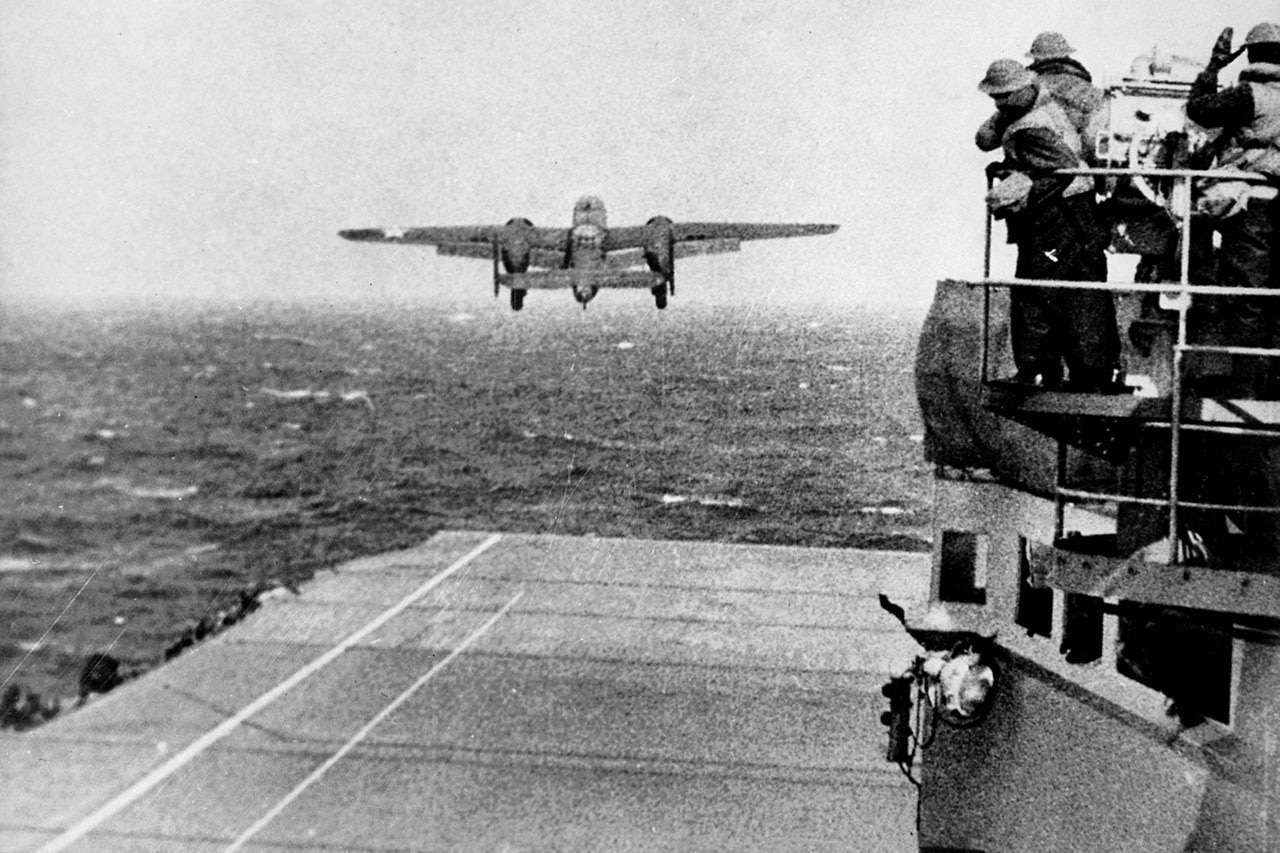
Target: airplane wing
[[453, 235], [547, 258], [698, 238], [625, 258], [547, 245], [696, 231]]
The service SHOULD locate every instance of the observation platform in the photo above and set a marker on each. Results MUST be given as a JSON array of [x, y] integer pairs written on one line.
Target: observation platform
[[1108, 425]]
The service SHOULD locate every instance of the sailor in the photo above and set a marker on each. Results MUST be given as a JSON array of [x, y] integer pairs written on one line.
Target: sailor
[[1054, 222], [1070, 84], [1246, 214], [1247, 218]]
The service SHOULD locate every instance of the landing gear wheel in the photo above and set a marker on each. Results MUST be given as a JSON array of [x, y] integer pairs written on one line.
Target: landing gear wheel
[[517, 299], [660, 296]]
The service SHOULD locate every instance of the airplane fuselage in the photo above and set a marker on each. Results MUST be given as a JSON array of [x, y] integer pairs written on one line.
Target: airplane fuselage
[[589, 210], [586, 243], [586, 238], [586, 248]]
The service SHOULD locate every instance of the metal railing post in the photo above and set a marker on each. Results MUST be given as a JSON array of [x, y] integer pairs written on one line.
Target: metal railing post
[[1059, 497], [986, 293], [1175, 384]]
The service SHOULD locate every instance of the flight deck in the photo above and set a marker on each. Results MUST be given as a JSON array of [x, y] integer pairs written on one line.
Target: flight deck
[[504, 692]]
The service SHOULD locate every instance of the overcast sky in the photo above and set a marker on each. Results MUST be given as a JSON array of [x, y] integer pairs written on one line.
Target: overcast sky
[[152, 150]]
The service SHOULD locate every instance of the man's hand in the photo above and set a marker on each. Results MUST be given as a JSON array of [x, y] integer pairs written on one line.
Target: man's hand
[[1223, 55]]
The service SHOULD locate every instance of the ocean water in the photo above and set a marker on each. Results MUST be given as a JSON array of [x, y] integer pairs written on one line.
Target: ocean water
[[162, 463]]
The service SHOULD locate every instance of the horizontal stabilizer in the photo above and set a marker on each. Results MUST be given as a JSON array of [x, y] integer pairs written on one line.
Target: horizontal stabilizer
[[581, 279]]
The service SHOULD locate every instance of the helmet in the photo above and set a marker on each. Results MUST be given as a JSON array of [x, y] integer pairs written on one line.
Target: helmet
[[1263, 34], [1005, 75], [1050, 45]]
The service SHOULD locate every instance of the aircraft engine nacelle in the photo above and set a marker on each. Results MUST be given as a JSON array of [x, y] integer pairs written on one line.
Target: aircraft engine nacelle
[[517, 242], [659, 242]]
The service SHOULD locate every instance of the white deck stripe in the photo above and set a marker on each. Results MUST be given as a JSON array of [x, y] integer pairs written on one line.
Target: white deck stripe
[[48, 630], [368, 727], [146, 783]]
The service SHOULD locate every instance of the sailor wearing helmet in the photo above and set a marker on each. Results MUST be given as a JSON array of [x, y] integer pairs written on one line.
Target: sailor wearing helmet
[[1069, 82], [1249, 223], [1054, 222], [1246, 216]]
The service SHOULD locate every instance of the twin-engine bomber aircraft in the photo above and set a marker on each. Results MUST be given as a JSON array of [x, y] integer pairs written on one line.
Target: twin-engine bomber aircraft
[[589, 255]]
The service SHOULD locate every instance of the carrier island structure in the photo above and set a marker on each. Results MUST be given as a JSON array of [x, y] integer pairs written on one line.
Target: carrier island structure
[[1114, 554]]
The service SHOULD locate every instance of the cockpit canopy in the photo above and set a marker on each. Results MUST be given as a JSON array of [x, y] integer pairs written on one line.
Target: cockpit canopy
[[589, 210]]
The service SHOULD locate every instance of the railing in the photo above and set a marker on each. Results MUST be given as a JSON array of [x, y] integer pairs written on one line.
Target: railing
[[1175, 296]]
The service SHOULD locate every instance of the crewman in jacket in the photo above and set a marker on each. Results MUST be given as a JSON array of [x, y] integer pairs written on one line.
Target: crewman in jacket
[[1054, 222], [1246, 215], [1247, 218], [1069, 83]]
